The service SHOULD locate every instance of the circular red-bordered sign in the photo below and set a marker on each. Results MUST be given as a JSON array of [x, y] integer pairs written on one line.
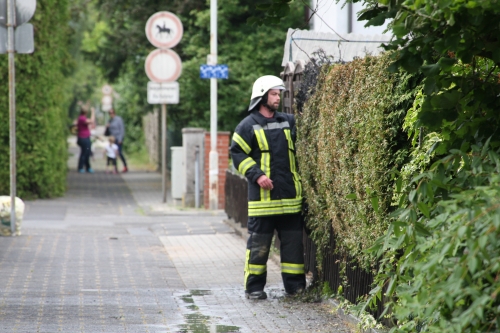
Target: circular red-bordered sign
[[163, 66], [164, 30]]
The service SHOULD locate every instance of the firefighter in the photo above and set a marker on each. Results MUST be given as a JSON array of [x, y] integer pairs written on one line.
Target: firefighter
[[263, 150]]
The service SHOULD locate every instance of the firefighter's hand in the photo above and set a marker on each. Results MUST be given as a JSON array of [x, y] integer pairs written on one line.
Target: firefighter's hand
[[265, 183]]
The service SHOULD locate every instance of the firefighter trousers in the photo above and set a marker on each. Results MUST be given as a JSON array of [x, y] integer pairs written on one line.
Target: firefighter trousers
[[261, 230]]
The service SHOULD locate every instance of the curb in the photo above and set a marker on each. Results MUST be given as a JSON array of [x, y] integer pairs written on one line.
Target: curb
[[172, 211], [238, 229]]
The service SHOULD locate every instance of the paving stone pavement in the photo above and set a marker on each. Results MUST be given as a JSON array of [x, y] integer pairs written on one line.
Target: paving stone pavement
[[109, 256]]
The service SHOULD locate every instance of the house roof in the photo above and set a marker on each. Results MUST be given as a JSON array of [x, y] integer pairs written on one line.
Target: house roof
[[301, 44]]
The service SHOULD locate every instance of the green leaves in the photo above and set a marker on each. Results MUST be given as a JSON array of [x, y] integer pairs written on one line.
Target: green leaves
[[241, 46], [271, 12], [454, 44], [41, 104], [449, 269]]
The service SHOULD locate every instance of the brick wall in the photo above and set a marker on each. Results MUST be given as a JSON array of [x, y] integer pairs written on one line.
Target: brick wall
[[223, 142]]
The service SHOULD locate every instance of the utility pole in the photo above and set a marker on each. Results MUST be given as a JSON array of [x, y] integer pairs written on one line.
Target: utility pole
[[214, 155], [164, 151], [12, 111]]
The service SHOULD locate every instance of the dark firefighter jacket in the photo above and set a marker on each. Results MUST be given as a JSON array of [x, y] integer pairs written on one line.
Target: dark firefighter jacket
[[261, 146]]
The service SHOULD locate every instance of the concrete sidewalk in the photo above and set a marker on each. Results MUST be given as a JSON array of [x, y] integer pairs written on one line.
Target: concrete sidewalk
[[110, 257]]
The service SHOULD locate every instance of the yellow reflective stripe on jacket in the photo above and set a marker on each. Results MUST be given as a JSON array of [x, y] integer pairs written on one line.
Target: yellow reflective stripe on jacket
[[256, 269], [246, 164], [293, 165], [289, 138], [292, 268], [261, 137], [275, 203], [239, 140], [274, 210], [295, 174], [265, 160], [265, 166]]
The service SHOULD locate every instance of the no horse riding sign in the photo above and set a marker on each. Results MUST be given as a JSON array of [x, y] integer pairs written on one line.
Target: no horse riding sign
[[164, 30]]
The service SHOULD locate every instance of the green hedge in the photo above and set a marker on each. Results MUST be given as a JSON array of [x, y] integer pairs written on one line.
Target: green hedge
[[41, 128], [350, 138]]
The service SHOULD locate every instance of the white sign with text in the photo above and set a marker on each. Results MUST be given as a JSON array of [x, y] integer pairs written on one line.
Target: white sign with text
[[163, 93]]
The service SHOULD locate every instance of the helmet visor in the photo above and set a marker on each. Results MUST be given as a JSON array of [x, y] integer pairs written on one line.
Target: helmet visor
[[254, 102]]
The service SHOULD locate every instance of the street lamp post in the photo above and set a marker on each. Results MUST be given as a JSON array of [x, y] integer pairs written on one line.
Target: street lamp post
[[12, 111], [214, 155]]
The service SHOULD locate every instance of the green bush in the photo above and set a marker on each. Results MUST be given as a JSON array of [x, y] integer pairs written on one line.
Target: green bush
[[349, 139], [441, 256], [41, 117]]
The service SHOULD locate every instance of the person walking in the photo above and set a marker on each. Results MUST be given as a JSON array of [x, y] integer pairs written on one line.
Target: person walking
[[117, 129], [83, 125], [263, 149]]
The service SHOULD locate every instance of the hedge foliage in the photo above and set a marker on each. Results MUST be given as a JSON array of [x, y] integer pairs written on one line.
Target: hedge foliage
[[40, 110], [349, 140], [440, 256]]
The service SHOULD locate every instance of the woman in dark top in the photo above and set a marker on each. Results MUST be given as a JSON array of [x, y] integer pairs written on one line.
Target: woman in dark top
[[83, 125]]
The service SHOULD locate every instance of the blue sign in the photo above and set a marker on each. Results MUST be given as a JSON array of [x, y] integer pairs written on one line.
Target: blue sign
[[214, 72]]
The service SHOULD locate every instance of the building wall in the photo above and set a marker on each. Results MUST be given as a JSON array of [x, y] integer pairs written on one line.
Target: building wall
[[341, 19]]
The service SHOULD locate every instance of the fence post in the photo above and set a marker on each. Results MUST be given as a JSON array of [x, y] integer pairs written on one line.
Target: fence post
[[287, 76]]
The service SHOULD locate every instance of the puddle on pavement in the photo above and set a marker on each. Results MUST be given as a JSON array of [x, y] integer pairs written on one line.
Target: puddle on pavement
[[196, 322]]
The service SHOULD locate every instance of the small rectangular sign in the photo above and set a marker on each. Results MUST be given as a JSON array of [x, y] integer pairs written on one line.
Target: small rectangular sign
[[23, 39], [214, 72], [163, 93]]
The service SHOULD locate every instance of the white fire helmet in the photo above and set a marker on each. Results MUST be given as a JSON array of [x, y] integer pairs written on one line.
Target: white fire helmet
[[262, 85]]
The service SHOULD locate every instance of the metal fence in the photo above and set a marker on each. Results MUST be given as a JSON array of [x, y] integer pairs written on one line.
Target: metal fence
[[236, 192], [339, 269]]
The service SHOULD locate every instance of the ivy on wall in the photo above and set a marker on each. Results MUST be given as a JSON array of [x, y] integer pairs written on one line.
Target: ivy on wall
[[40, 108]]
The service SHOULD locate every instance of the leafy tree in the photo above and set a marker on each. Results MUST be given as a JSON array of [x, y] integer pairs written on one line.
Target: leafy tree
[[84, 77], [249, 52], [40, 110], [440, 255], [433, 270], [456, 45]]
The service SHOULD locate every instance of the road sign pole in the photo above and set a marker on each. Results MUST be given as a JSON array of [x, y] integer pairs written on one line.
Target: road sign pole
[[164, 151], [213, 156], [164, 30], [12, 111]]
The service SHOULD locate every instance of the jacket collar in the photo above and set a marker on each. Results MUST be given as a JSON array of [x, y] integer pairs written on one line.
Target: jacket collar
[[262, 121]]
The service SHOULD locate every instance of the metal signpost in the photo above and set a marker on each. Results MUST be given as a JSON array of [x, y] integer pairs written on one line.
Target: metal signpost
[[213, 72], [19, 38], [163, 67]]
